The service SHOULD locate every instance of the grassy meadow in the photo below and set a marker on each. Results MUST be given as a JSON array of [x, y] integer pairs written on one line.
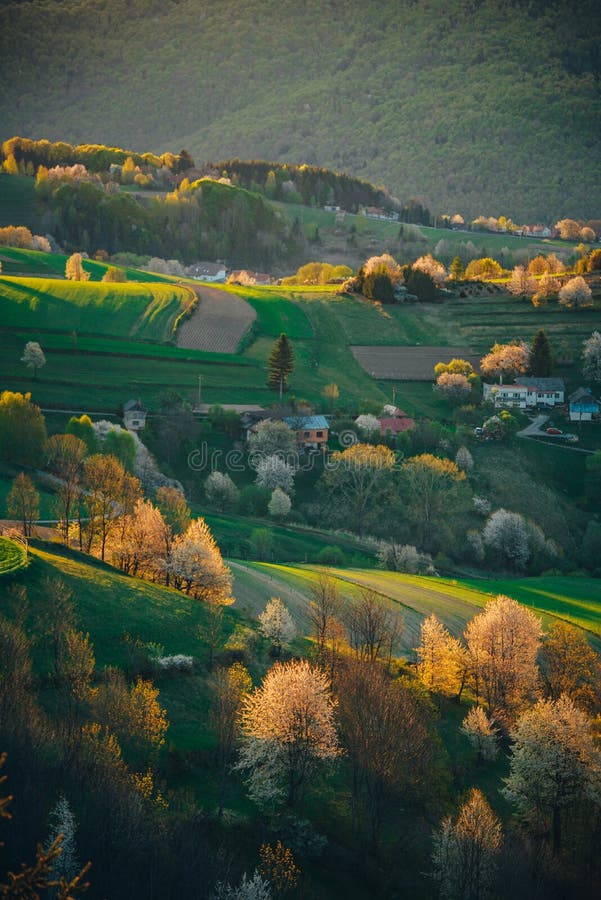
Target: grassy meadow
[[103, 341]]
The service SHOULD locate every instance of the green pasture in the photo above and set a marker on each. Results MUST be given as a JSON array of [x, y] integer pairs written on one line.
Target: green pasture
[[18, 261], [145, 311], [487, 243], [12, 556], [290, 543]]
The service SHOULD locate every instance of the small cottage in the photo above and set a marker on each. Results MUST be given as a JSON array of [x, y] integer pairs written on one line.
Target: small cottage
[[311, 431], [134, 415], [583, 406]]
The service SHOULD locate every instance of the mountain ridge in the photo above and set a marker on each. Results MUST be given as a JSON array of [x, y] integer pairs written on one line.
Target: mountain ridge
[[476, 106]]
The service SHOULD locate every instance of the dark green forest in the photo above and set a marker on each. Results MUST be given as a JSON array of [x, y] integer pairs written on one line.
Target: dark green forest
[[472, 105]]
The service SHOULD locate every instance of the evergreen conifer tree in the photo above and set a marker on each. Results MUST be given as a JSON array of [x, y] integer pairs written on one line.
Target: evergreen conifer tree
[[281, 363], [540, 355]]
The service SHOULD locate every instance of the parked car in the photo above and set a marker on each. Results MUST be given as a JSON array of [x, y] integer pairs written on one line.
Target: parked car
[[554, 431]]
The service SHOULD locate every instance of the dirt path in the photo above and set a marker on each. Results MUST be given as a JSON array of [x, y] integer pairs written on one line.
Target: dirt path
[[218, 323]]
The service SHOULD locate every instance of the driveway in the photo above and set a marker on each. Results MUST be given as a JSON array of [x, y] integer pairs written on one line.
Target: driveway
[[535, 428]]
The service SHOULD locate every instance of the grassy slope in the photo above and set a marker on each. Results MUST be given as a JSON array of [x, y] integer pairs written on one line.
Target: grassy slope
[[12, 556], [481, 108], [453, 601], [144, 311], [97, 370]]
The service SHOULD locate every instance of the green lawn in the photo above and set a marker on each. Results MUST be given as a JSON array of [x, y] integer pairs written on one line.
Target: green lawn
[[12, 556]]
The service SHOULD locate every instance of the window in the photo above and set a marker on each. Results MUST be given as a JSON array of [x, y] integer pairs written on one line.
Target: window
[[307, 434], [319, 434]]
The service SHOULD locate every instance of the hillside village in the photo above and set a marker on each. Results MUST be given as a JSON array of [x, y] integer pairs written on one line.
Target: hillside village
[[300, 536]]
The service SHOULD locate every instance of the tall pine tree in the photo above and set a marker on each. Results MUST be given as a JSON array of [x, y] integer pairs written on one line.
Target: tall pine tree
[[281, 363], [541, 359]]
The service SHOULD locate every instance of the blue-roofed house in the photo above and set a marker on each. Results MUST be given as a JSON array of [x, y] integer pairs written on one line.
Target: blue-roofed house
[[311, 431], [584, 407]]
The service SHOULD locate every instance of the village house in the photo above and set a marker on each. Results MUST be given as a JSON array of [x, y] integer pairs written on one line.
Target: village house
[[583, 406], [311, 431], [394, 421], [134, 415], [207, 271], [526, 393], [247, 277]]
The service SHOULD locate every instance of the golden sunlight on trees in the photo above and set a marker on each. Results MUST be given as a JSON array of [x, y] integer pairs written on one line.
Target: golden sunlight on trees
[[355, 476], [74, 269], [466, 851], [506, 360], [287, 729], [503, 644], [442, 660], [231, 685]]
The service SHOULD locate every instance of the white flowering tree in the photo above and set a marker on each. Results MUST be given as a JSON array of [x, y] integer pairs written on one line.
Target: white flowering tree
[[33, 357], [466, 851], [287, 729], [507, 535], [481, 732], [195, 562], [62, 822], [279, 505], [464, 460], [506, 360], [221, 491], [453, 386], [276, 624], [368, 423], [431, 267], [274, 472], [591, 357], [271, 437], [576, 293], [555, 764], [522, 283]]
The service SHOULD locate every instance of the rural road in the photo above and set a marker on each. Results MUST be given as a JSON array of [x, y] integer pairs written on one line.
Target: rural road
[[535, 430]]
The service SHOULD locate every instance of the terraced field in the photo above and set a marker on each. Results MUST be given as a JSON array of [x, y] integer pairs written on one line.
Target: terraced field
[[218, 323], [408, 363], [413, 597]]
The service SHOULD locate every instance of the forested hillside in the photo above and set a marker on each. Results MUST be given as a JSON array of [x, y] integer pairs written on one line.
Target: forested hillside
[[475, 105]]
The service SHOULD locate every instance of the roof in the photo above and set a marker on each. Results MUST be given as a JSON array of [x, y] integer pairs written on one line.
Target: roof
[[207, 268], [542, 384], [133, 405], [395, 424], [307, 423], [581, 395]]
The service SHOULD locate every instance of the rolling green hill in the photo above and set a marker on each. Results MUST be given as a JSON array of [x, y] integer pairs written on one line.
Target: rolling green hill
[[455, 602], [478, 106]]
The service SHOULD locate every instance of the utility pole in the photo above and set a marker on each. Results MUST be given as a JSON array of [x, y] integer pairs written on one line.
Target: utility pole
[[199, 391]]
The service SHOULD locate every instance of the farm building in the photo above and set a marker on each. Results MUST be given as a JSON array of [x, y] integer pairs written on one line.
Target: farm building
[[395, 424], [134, 415], [248, 277], [583, 406], [207, 271], [311, 431], [527, 393]]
